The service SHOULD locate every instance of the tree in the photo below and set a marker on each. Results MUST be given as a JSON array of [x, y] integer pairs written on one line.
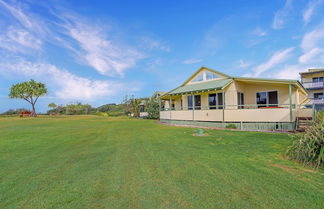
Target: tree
[[52, 105], [136, 104], [29, 91], [78, 109], [152, 108]]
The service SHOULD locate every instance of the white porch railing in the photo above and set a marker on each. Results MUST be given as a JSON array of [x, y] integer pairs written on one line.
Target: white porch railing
[[312, 85], [238, 113], [317, 101]]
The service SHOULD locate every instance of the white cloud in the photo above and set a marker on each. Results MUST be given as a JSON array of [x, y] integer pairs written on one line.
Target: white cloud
[[259, 32], [312, 45], [281, 15], [92, 47], [149, 44], [19, 40], [310, 10], [277, 58], [24, 33], [313, 39], [191, 61], [26, 19], [244, 64], [290, 72], [69, 86], [98, 45], [310, 55]]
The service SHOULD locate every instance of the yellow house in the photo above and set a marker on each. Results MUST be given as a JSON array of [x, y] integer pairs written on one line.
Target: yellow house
[[313, 81], [212, 98]]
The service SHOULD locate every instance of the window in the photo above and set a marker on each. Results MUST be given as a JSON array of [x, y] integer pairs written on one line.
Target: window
[[220, 101], [210, 75], [197, 102], [240, 100], [266, 99], [262, 99], [199, 77], [189, 102], [273, 98], [318, 96], [318, 79], [212, 101], [181, 105], [205, 76], [215, 101]]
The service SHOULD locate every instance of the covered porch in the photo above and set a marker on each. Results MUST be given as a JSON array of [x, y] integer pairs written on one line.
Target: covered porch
[[237, 102]]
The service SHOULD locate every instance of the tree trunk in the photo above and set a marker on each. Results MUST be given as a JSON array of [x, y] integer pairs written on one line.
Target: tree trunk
[[33, 111]]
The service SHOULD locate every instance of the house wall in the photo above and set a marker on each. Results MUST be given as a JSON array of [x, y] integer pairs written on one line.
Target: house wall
[[231, 94], [250, 90], [308, 78], [235, 115], [311, 92], [258, 115]]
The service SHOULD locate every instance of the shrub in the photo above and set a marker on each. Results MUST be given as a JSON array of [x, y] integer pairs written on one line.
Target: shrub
[[152, 108], [308, 148], [231, 125], [116, 114], [104, 114]]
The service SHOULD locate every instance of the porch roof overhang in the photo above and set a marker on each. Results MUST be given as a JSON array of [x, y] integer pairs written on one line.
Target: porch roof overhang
[[199, 87], [295, 83]]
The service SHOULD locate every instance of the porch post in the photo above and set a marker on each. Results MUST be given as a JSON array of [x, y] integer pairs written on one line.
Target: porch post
[[223, 103], [313, 114], [290, 102], [193, 107], [170, 106], [160, 105]]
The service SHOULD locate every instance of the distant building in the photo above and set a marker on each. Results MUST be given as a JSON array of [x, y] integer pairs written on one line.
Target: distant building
[[313, 81], [155, 95]]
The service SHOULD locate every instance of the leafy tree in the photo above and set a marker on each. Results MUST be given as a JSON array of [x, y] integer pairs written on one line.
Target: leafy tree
[[127, 104], [78, 109], [152, 108], [136, 107], [52, 105], [29, 91]]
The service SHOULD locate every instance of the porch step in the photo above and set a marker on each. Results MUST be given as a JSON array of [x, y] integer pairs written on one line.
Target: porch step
[[305, 118], [304, 123]]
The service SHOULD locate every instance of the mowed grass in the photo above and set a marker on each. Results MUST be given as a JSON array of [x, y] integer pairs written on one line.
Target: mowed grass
[[97, 162]]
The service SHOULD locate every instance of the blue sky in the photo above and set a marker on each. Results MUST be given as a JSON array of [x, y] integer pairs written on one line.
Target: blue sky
[[96, 52]]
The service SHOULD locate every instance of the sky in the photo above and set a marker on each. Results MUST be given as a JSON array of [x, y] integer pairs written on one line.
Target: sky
[[97, 52]]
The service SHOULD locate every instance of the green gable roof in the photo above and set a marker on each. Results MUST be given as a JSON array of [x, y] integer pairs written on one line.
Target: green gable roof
[[208, 85]]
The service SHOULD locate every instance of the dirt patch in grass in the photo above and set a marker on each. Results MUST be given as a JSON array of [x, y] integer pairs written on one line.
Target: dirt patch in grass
[[195, 134], [294, 170], [286, 168]]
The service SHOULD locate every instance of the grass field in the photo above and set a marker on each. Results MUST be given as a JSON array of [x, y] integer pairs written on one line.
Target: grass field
[[95, 162]]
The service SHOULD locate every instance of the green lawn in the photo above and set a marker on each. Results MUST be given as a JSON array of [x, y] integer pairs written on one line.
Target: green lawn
[[95, 162]]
